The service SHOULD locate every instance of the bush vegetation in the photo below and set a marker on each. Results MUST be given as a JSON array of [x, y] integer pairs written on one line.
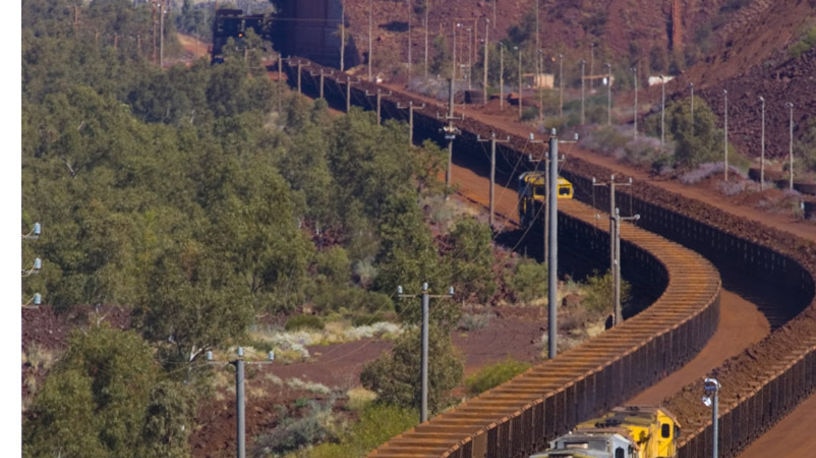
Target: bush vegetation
[[494, 375]]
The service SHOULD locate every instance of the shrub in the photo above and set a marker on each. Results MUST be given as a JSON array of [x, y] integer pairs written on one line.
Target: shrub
[[295, 433], [528, 281], [495, 375], [378, 423], [304, 322], [472, 321]]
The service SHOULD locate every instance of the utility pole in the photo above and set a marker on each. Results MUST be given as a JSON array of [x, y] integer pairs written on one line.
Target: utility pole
[[790, 144], [762, 154], [410, 61], [370, 48], [546, 161], [423, 412], [453, 64], [342, 34], [711, 389], [561, 84], [426, 39], [323, 80], [378, 95], [485, 62], [608, 94], [468, 76], [583, 63], [410, 108], [161, 33], [520, 104], [725, 136], [662, 111], [501, 75], [539, 67], [691, 87], [614, 244], [450, 132], [240, 399], [299, 70], [552, 262], [348, 94], [492, 141], [634, 70]]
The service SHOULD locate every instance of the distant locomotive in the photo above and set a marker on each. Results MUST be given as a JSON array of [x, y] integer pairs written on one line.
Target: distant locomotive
[[532, 195], [626, 432], [233, 23]]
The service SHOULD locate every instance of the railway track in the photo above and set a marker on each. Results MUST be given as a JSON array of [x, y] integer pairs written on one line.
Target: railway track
[[515, 418], [759, 386]]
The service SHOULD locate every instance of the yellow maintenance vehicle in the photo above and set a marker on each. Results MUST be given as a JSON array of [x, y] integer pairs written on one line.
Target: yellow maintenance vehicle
[[532, 195], [625, 432]]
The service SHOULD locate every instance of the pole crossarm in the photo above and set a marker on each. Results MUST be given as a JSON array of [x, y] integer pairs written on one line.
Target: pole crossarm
[[410, 107]]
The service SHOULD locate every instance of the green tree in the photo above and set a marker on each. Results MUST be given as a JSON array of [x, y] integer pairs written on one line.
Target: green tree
[[396, 377], [195, 303], [168, 421], [528, 281], [407, 255], [697, 143], [471, 258], [94, 401]]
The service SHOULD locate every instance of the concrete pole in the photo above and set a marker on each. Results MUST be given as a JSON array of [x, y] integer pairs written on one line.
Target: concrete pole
[[410, 60], [725, 136], [342, 34], [561, 84], [491, 219], [425, 312], [492, 177], [662, 110], [715, 424], [453, 66], [299, 70], [501, 76], [370, 48], [485, 62], [348, 95], [449, 170], [762, 154], [426, 39], [321, 83], [240, 402], [608, 94], [520, 104], [790, 144], [469, 56], [617, 277], [691, 86], [161, 33], [552, 265], [583, 64], [635, 114]]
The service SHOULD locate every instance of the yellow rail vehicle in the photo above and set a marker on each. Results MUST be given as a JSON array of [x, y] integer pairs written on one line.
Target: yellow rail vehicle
[[532, 195], [626, 432]]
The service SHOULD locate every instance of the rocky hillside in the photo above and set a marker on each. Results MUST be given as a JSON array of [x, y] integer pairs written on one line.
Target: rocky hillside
[[740, 45]]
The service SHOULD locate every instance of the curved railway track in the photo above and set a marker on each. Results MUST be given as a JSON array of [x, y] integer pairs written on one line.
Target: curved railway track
[[759, 386], [515, 418]]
